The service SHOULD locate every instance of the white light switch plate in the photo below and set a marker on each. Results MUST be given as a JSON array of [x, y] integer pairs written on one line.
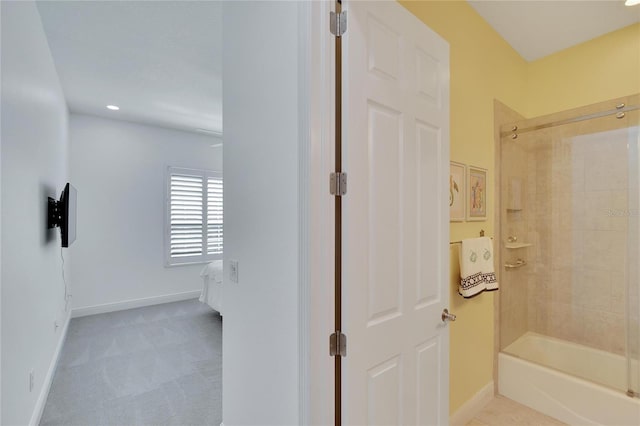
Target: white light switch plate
[[233, 271]]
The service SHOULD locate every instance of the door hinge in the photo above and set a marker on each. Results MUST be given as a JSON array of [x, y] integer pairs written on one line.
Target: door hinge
[[338, 344], [338, 23], [338, 184]]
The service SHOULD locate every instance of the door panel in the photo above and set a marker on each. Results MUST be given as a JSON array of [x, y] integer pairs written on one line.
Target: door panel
[[385, 136], [428, 159], [396, 264], [385, 393], [384, 49], [429, 370]]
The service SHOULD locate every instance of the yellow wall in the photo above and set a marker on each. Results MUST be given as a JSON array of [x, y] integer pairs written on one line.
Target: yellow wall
[[483, 67], [604, 68]]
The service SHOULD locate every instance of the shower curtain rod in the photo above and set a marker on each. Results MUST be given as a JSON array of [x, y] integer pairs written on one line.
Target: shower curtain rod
[[619, 112]]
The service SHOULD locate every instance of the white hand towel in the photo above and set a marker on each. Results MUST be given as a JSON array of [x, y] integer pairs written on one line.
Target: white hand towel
[[477, 272], [488, 269]]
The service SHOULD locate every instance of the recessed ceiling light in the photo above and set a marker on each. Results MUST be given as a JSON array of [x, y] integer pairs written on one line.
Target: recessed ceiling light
[[632, 2], [113, 107]]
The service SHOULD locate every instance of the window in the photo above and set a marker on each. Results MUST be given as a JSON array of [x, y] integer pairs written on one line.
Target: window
[[193, 225]]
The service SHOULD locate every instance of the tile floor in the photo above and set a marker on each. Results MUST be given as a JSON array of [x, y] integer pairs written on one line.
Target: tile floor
[[502, 411]]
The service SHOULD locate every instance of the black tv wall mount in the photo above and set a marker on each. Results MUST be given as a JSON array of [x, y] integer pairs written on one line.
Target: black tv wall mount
[[54, 214]]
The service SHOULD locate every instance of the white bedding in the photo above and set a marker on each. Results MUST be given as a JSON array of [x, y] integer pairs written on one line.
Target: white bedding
[[212, 285]]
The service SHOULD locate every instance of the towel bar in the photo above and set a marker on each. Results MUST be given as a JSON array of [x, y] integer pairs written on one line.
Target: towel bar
[[460, 241]]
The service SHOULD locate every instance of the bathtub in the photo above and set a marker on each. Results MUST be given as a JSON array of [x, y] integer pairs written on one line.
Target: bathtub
[[570, 398]]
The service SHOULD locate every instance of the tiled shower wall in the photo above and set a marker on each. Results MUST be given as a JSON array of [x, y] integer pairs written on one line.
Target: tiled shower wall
[[573, 209], [578, 291], [513, 282]]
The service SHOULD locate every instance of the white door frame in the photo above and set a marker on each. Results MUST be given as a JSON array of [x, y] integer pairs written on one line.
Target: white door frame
[[304, 28], [316, 294]]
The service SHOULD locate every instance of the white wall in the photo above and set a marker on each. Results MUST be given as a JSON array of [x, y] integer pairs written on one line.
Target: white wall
[[119, 170], [261, 125], [34, 166], [0, 234]]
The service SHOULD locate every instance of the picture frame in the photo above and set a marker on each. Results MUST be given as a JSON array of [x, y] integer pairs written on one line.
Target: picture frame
[[476, 194], [457, 192]]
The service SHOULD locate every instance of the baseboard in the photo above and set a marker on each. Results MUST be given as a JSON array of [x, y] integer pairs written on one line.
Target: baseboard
[[134, 303], [473, 406], [46, 386]]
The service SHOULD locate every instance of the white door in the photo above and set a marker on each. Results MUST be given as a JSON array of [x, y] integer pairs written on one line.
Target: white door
[[396, 264]]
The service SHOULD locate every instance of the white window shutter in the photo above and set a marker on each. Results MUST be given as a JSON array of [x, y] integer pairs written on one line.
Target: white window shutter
[[194, 224], [186, 213], [214, 216]]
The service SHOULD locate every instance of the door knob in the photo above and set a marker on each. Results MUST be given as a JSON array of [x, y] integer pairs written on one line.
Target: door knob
[[446, 316]]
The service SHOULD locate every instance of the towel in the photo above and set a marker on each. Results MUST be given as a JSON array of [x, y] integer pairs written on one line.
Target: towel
[[477, 272]]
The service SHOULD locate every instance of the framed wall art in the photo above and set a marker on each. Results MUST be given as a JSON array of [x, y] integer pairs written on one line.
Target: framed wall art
[[457, 186], [476, 193]]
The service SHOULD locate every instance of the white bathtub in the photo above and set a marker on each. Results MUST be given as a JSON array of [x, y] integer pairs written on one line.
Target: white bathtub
[[567, 397]]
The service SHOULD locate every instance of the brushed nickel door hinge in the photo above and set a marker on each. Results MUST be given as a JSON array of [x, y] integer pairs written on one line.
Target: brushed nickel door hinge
[[338, 184], [338, 23], [338, 344]]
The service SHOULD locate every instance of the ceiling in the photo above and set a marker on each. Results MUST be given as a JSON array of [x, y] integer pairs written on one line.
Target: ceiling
[[539, 28], [160, 61]]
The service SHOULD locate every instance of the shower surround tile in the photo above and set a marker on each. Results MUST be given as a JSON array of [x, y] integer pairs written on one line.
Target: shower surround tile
[[575, 199]]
